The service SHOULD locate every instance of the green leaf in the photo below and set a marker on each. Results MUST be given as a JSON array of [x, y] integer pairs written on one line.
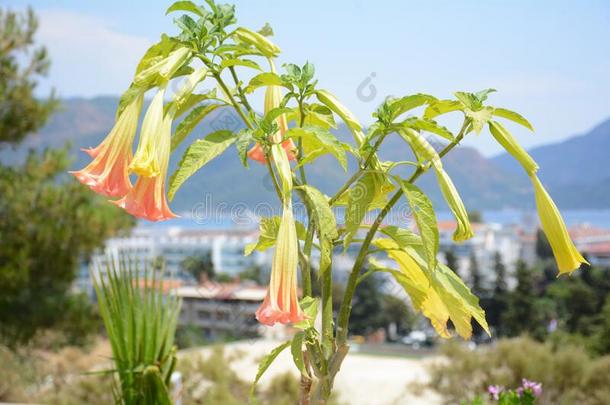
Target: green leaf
[[441, 107], [188, 6], [456, 205], [422, 210], [402, 105], [316, 142], [316, 115], [296, 349], [244, 138], [346, 115], [128, 97], [429, 126], [513, 116], [189, 123], [268, 229], [239, 62], [265, 363], [479, 118], [440, 295], [310, 306], [323, 216], [403, 237], [359, 201], [266, 30], [195, 99], [197, 155], [482, 95], [264, 79]]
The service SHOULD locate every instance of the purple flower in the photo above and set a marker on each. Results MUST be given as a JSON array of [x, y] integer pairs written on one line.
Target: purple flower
[[533, 386], [494, 391]]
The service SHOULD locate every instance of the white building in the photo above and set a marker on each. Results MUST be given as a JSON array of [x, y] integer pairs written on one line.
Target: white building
[[488, 239]]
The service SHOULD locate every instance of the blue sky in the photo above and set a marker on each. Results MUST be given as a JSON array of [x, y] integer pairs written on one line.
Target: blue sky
[[550, 60]]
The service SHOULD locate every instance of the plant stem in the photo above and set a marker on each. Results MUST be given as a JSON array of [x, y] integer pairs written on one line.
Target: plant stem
[[235, 104], [240, 91], [346, 304], [358, 173], [306, 267]]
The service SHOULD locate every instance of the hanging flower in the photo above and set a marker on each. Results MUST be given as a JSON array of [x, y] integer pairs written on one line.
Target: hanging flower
[[146, 160], [257, 153], [566, 255], [568, 258], [281, 303], [273, 98], [147, 198], [108, 173]]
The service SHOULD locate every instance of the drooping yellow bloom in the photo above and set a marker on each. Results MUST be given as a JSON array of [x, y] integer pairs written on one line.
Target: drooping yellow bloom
[[566, 255], [281, 303], [108, 173], [146, 161], [424, 151], [454, 201], [568, 258]]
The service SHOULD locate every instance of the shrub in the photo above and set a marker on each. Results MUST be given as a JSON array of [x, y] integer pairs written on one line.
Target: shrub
[[567, 373]]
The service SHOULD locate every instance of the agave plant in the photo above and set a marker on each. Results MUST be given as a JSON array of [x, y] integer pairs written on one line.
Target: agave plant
[[291, 131], [141, 323]]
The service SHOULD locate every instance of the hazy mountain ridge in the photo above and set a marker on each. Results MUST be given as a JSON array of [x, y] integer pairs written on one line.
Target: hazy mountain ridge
[[484, 183]]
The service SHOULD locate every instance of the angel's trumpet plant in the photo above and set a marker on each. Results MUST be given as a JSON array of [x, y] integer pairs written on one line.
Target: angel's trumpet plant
[[209, 48], [108, 173]]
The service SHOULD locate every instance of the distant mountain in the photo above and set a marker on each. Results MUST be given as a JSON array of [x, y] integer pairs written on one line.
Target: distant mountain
[[483, 183], [576, 171]]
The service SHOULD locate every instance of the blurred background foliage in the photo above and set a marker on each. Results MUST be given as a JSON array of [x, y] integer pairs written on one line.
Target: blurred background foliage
[[47, 224]]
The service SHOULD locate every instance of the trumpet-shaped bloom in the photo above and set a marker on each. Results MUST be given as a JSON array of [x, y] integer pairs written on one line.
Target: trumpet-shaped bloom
[[454, 201], [147, 198], [108, 173], [146, 160], [281, 303], [424, 151], [257, 153], [568, 258], [273, 97]]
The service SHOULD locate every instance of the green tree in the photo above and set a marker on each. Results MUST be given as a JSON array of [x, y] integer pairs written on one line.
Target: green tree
[[476, 277], [21, 63], [254, 273], [496, 304], [199, 265], [47, 226], [452, 261], [543, 247], [525, 313], [396, 311], [475, 217], [602, 337], [367, 314]]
